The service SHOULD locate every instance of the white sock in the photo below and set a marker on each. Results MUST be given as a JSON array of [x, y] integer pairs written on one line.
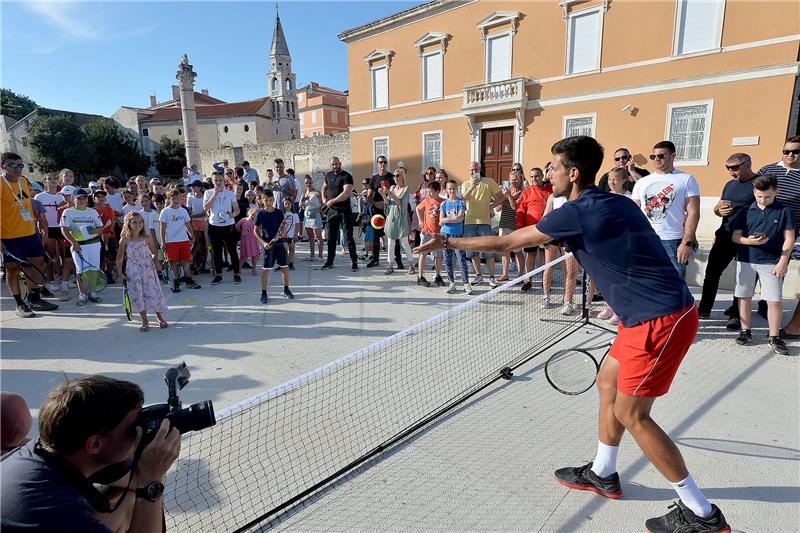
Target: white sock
[[691, 497], [605, 462]]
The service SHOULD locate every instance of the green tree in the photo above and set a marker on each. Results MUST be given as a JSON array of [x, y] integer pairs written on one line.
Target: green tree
[[15, 105], [171, 157], [57, 141], [113, 151]]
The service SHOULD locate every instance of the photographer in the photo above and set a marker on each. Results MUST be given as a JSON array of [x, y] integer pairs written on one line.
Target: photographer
[[85, 426]]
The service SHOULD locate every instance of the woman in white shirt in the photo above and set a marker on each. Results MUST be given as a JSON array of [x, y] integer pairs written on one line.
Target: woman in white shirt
[[222, 207]]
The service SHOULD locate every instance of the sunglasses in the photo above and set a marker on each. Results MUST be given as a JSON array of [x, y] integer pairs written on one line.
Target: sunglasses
[[653, 157], [785, 152], [18, 166], [733, 167], [381, 162], [397, 175], [622, 158]]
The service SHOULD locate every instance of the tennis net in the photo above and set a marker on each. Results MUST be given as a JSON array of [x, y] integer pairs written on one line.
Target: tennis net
[[269, 452]]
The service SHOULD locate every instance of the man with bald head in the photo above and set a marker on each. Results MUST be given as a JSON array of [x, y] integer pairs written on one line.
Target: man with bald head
[[15, 421], [336, 191]]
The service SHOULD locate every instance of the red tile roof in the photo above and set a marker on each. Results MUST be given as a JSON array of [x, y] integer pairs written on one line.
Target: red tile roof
[[250, 107]]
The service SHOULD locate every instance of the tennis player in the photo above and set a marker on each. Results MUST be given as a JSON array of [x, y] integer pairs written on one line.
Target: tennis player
[[658, 322]]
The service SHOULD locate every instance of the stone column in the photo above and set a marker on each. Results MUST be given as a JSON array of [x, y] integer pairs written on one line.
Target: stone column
[[186, 76]]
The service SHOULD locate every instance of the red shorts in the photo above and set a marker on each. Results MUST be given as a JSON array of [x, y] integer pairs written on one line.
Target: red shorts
[[650, 353], [179, 251]]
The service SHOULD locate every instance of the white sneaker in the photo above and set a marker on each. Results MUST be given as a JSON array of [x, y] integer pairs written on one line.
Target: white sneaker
[[72, 284], [477, 280], [606, 313], [93, 296], [452, 288], [546, 301], [82, 300], [53, 287], [468, 289], [567, 309], [492, 282]]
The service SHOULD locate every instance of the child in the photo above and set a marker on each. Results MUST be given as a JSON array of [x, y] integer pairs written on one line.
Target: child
[[248, 248], [137, 246], [108, 239], [52, 200], [268, 222], [199, 222], [765, 233], [149, 215], [451, 219], [177, 236], [428, 216], [311, 202], [81, 225], [288, 210]]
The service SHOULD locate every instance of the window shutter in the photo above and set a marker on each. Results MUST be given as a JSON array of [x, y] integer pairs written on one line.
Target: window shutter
[[433, 150], [499, 58], [584, 40], [433, 75], [380, 88], [579, 126], [380, 147], [687, 128], [698, 25]]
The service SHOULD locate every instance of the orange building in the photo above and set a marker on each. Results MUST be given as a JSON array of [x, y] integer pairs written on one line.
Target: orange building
[[448, 82], [322, 110]]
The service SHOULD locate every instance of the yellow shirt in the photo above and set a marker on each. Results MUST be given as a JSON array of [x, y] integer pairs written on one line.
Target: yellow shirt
[[478, 211], [12, 225]]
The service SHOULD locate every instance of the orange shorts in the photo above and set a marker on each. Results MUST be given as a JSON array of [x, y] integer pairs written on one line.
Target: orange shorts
[[179, 251], [650, 353]]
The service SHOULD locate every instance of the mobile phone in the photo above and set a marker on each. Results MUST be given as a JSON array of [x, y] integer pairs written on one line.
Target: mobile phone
[[505, 185], [758, 235], [384, 184]]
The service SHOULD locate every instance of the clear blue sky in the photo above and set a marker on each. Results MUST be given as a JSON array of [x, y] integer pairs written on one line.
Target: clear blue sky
[[93, 57]]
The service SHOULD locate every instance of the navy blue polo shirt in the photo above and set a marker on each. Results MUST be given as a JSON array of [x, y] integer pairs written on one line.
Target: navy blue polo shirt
[[612, 239], [740, 194], [772, 221]]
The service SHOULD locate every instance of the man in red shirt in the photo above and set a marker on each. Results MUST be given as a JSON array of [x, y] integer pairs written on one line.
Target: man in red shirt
[[530, 208]]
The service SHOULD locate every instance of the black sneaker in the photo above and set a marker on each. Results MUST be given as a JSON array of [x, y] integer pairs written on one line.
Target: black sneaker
[[682, 519], [192, 284], [291, 266], [176, 287], [237, 278], [744, 337], [762, 309], [246, 265], [703, 315], [264, 298], [399, 265], [582, 478], [373, 264], [45, 292], [288, 293], [421, 281], [439, 281], [41, 305], [778, 346], [734, 324], [354, 267], [327, 266], [217, 280], [23, 311]]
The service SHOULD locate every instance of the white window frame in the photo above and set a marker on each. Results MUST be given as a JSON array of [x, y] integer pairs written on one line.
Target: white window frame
[[334, 117], [703, 161], [568, 53], [314, 116], [677, 34], [423, 76], [375, 155], [486, 68], [441, 148], [372, 84], [566, 118]]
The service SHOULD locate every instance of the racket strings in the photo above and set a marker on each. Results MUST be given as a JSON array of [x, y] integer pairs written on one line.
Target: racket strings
[[571, 371]]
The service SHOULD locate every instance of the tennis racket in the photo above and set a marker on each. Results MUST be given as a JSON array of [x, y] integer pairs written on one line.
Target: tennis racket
[[28, 274], [92, 278], [283, 229], [574, 371], [126, 301]]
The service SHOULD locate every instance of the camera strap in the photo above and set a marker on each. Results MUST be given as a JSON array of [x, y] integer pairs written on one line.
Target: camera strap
[[79, 482]]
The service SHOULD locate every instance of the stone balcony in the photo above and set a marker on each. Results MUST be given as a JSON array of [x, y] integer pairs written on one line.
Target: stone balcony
[[494, 97]]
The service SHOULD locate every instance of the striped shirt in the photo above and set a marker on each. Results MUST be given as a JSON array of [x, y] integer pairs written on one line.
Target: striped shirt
[[788, 188]]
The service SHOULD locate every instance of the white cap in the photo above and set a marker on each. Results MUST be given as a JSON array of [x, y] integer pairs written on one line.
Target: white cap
[[69, 190], [93, 184]]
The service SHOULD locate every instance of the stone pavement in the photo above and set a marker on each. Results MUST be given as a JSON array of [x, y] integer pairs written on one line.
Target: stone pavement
[[486, 466]]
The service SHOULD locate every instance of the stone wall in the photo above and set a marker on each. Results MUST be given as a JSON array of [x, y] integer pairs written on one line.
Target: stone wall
[[307, 156]]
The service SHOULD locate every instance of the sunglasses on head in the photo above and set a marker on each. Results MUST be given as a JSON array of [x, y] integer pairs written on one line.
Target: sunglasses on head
[[733, 167], [18, 166], [622, 158], [657, 156], [793, 152]]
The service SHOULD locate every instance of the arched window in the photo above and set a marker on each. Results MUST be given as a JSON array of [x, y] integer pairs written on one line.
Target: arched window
[[274, 84], [288, 84], [246, 128], [225, 129]]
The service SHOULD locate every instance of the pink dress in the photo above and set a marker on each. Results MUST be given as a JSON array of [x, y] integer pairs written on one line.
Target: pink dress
[[144, 288], [249, 245]]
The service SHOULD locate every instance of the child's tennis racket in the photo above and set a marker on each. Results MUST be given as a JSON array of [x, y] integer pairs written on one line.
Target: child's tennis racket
[[92, 278], [574, 371], [283, 229], [28, 272], [126, 301]]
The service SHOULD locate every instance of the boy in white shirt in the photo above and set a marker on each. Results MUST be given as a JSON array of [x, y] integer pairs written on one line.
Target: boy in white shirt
[[81, 226], [177, 236]]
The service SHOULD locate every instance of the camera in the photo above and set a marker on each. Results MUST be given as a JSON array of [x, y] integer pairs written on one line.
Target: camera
[[193, 418]]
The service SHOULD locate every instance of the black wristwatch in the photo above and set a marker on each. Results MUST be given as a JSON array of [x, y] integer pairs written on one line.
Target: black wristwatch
[[151, 492]]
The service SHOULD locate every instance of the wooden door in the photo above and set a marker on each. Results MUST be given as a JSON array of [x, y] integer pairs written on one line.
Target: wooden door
[[497, 158]]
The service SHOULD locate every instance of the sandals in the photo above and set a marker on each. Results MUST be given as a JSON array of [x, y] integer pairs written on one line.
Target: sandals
[[163, 324], [502, 278], [144, 328]]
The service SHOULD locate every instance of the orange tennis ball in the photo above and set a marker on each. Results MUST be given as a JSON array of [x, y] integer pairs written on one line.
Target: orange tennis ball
[[378, 221]]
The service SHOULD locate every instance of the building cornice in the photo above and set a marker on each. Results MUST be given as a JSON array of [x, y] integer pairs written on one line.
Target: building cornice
[[402, 17]]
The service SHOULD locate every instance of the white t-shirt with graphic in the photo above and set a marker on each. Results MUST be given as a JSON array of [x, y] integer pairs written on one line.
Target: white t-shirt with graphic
[[50, 203], [175, 219], [222, 208], [662, 198], [81, 223]]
